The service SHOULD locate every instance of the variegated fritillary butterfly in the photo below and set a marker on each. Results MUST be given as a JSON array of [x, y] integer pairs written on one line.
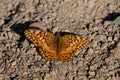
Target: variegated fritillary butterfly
[[56, 47]]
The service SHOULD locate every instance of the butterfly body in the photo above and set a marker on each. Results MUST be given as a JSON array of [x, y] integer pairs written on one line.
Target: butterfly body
[[56, 47]]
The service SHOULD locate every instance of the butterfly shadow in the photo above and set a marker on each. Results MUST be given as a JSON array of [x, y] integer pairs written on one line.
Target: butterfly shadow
[[65, 33], [19, 29]]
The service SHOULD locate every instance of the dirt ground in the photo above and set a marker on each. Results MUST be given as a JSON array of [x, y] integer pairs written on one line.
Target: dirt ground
[[100, 60]]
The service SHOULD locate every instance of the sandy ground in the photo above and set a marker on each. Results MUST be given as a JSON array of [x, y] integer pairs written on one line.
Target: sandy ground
[[100, 60]]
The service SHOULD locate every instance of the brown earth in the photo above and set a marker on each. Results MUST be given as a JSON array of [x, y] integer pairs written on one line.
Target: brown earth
[[100, 60]]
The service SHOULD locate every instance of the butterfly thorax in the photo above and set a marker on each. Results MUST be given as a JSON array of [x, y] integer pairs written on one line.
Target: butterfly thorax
[[57, 42]]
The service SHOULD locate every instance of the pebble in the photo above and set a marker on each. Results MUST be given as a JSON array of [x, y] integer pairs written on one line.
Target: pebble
[[104, 46], [90, 51], [1, 21], [96, 52], [39, 63], [25, 43], [96, 28], [100, 38], [36, 79], [13, 49], [110, 38], [10, 35], [31, 51], [94, 67], [81, 78], [92, 73], [2, 38], [47, 77], [116, 37], [94, 44], [14, 63], [9, 53]]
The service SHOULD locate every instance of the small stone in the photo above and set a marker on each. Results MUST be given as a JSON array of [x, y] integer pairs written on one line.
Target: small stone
[[14, 63], [67, 0], [100, 38], [116, 37], [18, 50], [10, 35], [92, 73], [13, 49], [94, 44], [81, 78], [1, 21], [117, 52], [2, 38], [96, 52], [96, 28], [31, 51], [104, 46], [9, 53], [94, 67], [25, 43], [39, 63], [36, 79], [90, 51], [32, 45], [109, 38], [47, 77]]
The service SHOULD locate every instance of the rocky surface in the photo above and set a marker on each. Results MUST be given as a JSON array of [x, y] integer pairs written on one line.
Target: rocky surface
[[100, 60]]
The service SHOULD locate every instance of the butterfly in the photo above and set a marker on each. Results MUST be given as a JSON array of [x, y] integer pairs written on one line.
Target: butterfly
[[56, 47]]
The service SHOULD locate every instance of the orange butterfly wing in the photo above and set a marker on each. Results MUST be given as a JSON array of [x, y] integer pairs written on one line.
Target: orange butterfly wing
[[69, 44], [45, 42]]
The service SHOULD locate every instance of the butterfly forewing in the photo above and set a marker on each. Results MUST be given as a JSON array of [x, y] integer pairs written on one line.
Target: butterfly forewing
[[44, 41]]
